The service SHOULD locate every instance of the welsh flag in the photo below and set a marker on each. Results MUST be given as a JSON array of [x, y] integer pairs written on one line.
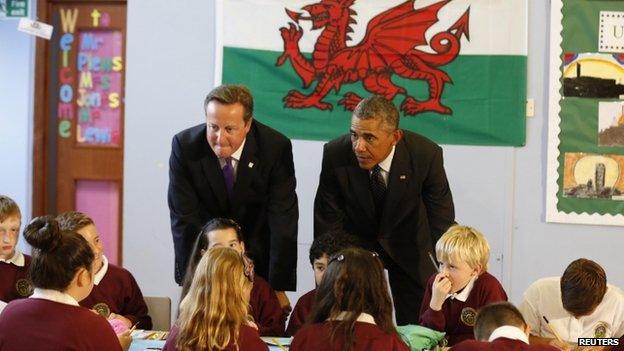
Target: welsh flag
[[455, 68]]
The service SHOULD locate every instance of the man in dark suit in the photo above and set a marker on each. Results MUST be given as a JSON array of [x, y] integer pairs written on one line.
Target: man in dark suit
[[235, 167], [388, 186]]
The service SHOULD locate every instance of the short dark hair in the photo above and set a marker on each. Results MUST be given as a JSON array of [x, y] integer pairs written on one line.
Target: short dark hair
[[229, 94], [73, 220], [331, 242], [496, 315], [378, 107], [57, 254], [583, 285], [201, 244], [8, 208]]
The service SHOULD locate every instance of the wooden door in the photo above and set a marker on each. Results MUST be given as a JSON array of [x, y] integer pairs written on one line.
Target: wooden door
[[79, 115]]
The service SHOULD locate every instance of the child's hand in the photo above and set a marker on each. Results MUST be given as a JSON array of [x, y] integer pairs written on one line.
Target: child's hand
[[121, 318], [125, 340], [439, 291]]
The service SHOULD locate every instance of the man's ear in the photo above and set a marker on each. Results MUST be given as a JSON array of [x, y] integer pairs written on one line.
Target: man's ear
[[396, 136]]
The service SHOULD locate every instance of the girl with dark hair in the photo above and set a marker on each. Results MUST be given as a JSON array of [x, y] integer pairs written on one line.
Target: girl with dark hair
[[51, 319], [352, 310], [264, 305]]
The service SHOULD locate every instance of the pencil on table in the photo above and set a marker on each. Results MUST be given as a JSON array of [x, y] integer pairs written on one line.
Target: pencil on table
[[279, 344]]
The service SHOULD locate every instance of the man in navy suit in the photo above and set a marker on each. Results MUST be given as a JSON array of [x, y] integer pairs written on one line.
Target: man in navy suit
[[235, 167], [387, 186]]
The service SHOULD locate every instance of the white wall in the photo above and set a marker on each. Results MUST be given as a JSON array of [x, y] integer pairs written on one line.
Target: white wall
[[16, 122]]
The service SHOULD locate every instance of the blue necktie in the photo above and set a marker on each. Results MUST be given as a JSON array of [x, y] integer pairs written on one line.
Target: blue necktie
[[228, 175]]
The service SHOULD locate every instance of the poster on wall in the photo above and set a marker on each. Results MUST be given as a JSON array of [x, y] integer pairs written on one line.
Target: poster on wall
[[585, 173], [455, 69]]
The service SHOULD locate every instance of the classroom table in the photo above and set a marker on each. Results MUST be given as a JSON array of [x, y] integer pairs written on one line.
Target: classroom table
[[142, 345]]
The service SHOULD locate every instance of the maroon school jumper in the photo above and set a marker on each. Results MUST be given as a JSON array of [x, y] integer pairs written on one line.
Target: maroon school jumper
[[301, 312], [120, 293], [368, 337], [248, 340], [500, 344], [42, 325], [456, 318], [266, 309], [13, 282]]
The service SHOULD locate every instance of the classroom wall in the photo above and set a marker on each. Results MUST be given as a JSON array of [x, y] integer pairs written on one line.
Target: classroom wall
[[497, 189], [170, 60], [16, 87]]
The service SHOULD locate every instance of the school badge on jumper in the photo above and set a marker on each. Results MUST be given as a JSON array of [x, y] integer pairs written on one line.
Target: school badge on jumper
[[23, 287], [601, 330], [102, 309], [468, 315]]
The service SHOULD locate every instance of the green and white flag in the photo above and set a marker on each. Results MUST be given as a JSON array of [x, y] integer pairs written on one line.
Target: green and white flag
[[455, 68]]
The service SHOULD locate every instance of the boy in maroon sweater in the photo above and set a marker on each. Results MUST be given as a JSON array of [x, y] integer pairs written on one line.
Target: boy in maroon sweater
[[462, 286], [266, 310], [322, 248], [500, 327], [115, 294], [13, 264]]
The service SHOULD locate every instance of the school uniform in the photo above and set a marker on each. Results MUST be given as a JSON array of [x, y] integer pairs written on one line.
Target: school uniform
[[367, 337], [248, 340], [505, 338], [301, 312], [266, 309], [457, 316], [51, 320], [13, 281], [116, 291], [543, 298]]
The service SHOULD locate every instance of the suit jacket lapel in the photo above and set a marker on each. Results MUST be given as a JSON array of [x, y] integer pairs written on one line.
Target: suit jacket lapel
[[212, 170], [400, 176], [359, 180], [247, 165]]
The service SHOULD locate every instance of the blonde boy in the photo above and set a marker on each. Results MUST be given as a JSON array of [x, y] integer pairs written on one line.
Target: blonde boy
[[13, 263], [462, 285]]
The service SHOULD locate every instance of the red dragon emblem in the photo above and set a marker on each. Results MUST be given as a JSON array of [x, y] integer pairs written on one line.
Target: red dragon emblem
[[388, 47]]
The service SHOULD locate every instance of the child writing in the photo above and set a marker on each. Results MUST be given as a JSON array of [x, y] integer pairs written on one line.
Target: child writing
[[51, 319], [265, 307], [116, 294], [462, 286], [214, 312], [352, 310], [13, 264]]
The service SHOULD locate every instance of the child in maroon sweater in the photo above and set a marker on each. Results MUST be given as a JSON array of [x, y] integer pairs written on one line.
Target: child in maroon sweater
[[116, 294], [500, 327], [51, 319], [214, 312], [13, 264], [265, 307], [322, 248], [454, 295], [352, 310]]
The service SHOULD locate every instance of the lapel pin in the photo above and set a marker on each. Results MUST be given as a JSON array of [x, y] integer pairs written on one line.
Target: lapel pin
[[250, 165], [402, 177]]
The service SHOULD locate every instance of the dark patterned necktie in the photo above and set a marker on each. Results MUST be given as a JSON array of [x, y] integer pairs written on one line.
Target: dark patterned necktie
[[228, 175], [378, 188]]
